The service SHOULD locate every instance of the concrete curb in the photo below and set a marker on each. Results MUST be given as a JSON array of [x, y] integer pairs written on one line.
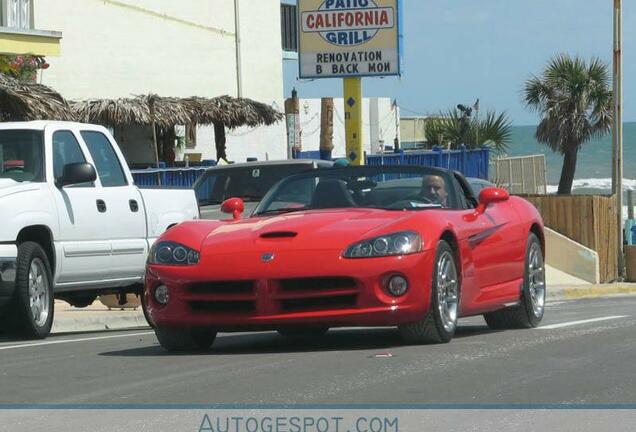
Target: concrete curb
[[95, 318], [568, 292], [99, 318]]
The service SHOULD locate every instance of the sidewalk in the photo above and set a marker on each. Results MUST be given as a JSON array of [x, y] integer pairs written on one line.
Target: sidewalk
[[98, 317], [95, 317]]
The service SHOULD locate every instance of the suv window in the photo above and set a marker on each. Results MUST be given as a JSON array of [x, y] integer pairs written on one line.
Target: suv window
[[106, 161], [66, 150], [250, 183], [21, 155]]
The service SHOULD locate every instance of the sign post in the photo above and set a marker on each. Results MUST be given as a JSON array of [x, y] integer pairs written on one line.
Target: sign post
[[353, 120], [350, 39]]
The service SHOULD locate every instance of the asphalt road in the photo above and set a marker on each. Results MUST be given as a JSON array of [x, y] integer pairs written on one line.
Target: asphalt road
[[590, 362]]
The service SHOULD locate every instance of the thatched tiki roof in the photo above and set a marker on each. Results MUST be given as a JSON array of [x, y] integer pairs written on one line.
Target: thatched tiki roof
[[24, 101], [170, 111]]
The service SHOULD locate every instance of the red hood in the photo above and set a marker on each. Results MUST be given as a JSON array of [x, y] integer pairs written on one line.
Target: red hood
[[313, 230]]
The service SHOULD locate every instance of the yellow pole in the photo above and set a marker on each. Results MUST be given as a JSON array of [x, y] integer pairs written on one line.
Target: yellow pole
[[353, 120]]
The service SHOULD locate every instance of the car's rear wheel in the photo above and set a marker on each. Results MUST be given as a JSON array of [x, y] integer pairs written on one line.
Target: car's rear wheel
[[31, 311], [185, 339], [529, 312], [303, 332], [440, 322]]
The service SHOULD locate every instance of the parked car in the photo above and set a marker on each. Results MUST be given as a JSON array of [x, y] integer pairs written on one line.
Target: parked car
[[358, 246], [249, 181], [478, 184], [73, 223]]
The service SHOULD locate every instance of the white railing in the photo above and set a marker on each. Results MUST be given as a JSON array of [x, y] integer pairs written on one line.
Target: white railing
[[521, 175]]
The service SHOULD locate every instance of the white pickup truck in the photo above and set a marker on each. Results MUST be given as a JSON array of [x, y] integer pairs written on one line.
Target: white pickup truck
[[72, 223]]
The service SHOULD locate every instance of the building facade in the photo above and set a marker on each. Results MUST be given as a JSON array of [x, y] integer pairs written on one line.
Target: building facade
[[123, 48]]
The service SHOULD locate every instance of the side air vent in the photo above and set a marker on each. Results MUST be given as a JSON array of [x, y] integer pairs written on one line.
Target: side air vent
[[279, 234]]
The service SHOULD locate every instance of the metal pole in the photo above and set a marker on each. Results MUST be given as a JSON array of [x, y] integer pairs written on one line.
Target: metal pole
[[617, 177], [239, 60]]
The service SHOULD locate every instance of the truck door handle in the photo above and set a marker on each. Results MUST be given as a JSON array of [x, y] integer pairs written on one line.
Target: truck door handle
[[101, 206], [134, 206]]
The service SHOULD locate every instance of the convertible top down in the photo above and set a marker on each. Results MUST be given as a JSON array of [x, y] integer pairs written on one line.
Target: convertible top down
[[357, 246]]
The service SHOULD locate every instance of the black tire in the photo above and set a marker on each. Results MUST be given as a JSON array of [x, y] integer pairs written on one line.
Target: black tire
[[185, 339], [303, 332], [21, 320], [524, 315], [431, 329]]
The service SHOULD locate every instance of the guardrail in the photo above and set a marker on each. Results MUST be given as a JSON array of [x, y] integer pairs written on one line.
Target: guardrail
[[180, 178]]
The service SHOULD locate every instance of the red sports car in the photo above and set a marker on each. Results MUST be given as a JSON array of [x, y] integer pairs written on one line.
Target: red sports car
[[357, 246]]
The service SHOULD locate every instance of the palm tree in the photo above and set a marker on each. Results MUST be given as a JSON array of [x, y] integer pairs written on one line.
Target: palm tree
[[575, 101], [451, 127]]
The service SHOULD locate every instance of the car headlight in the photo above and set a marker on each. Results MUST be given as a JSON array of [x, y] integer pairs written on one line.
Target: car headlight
[[401, 243], [171, 253]]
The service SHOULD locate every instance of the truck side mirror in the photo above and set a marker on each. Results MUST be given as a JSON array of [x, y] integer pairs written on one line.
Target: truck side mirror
[[76, 173]]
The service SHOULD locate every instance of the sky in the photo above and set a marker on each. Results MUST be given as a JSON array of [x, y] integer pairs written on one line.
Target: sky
[[459, 50]]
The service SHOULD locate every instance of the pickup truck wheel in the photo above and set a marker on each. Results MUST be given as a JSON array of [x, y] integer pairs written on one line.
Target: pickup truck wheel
[[185, 339], [31, 314]]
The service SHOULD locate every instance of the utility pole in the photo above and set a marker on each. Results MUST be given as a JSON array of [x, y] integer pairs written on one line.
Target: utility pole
[[617, 132]]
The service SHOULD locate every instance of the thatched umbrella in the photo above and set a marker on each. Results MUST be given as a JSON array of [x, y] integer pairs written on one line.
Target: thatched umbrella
[[113, 112], [25, 101], [166, 112]]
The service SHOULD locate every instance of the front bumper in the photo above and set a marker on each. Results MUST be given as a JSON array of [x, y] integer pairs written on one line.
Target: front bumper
[[296, 289], [8, 268]]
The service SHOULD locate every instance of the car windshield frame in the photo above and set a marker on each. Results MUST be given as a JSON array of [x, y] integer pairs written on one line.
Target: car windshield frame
[[263, 208]]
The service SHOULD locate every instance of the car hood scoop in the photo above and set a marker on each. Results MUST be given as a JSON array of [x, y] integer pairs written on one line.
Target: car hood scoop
[[279, 235]]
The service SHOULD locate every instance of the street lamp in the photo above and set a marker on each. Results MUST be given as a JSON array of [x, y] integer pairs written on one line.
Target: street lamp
[[617, 130]]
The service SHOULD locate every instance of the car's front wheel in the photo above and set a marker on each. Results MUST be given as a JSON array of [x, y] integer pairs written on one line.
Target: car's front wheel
[[185, 339], [31, 314], [440, 322], [529, 312]]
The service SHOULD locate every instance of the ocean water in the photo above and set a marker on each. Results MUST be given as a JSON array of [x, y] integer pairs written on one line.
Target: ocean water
[[594, 164]]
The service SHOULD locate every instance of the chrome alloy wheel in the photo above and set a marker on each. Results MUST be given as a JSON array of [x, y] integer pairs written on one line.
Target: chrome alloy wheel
[[38, 292], [447, 291], [536, 279]]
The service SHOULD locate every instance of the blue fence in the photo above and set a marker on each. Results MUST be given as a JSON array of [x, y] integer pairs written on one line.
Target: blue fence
[[180, 178], [471, 163]]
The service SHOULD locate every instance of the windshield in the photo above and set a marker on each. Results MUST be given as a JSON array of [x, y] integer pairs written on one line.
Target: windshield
[[249, 183], [383, 187], [21, 156]]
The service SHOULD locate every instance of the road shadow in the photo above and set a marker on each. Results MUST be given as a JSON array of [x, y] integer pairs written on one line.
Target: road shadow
[[364, 339]]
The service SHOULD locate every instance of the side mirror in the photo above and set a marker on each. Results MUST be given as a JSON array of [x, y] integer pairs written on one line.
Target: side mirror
[[76, 173], [233, 206], [491, 195]]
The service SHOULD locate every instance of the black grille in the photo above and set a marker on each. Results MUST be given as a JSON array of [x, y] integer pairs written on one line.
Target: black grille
[[223, 306], [317, 284], [233, 287], [320, 303]]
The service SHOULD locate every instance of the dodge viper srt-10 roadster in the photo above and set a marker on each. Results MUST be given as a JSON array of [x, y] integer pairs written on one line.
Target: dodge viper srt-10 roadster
[[356, 246]]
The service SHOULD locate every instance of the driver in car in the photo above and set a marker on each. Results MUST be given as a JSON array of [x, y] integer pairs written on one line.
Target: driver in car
[[434, 190]]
